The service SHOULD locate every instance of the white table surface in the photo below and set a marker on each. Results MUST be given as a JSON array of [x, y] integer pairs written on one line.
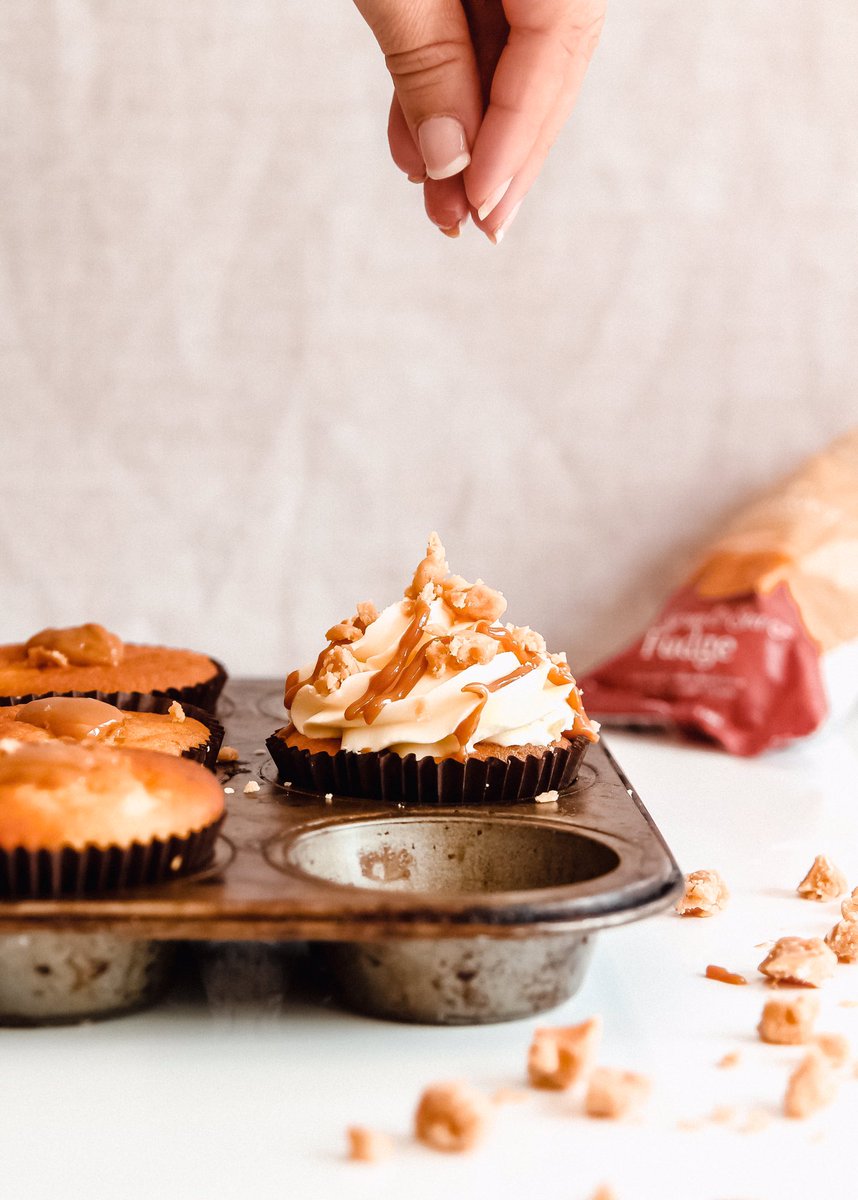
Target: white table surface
[[183, 1102]]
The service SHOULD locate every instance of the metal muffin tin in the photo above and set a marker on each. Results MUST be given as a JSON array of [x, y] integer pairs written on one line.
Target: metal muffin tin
[[418, 913]]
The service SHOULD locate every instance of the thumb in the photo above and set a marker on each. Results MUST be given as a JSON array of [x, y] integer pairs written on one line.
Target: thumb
[[428, 50]]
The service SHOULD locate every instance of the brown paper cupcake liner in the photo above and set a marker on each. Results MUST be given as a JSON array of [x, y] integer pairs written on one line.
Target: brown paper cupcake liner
[[203, 696], [93, 871], [394, 779], [147, 702]]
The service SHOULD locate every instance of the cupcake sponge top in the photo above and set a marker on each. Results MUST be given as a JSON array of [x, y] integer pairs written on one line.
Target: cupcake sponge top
[[58, 794]]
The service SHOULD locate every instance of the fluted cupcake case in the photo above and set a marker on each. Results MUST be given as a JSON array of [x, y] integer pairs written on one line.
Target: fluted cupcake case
[[394, 779], [202, 696]]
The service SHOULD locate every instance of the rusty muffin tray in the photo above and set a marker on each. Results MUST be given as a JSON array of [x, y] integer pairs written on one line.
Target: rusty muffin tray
[[418, 913]]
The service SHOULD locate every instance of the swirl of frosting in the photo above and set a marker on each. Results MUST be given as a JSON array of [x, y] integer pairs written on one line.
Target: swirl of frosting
[[436, 673]]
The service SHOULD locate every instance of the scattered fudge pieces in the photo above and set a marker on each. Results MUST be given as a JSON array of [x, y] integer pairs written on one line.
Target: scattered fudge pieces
[[843, 940], [705, 894], [788, 1020], [451, 1116], [560, 1056], [812, 1085], [604, 1192], [368, 1145], [227, 754], [803, 962], [824, 881], [613, 1094]]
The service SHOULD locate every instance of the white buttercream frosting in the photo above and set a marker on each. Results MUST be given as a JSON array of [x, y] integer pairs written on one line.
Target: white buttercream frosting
[[529, 709]]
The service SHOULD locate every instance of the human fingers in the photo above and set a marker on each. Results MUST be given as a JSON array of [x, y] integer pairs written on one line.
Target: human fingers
[[549, 47], [403, 148], [446, 204], [430, 56]]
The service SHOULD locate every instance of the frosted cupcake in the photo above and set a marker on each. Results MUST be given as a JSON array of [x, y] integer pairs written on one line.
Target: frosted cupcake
[[434, 700]]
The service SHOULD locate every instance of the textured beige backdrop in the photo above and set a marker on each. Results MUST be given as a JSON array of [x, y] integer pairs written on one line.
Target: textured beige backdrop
[[241, 378]]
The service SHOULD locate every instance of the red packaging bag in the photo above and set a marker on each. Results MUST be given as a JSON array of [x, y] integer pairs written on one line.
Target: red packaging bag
[[760, 646]]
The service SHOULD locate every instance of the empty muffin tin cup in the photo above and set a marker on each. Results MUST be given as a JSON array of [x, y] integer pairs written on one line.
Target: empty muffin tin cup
[[61, 978], [464, 860]]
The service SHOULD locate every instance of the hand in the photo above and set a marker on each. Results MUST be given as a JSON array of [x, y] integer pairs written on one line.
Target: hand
[[481, 90]]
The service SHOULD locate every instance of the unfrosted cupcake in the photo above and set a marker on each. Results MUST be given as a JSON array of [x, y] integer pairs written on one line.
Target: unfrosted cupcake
[[434, 700], [82, 819], [88, 658], [169, 728]]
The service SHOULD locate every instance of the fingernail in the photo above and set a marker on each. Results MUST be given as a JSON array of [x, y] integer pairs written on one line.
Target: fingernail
[[498, 235], [494, 200], [443, 146], [452, 232], [417, 178]]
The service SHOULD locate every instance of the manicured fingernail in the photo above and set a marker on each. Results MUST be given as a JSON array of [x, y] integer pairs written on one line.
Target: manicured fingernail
[[494, 200], [497, 236], [452, 232], [443, 146]]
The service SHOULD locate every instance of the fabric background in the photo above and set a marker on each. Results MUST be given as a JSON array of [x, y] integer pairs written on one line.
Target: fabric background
[[241, 377]]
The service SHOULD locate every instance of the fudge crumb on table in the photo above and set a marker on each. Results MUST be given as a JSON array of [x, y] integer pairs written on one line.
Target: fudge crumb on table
[[824, 881], [250, 787], [368, 1145], [843, 940], [227, 754], [560, 1055], [788, 1020], [705, 895], [849, 906], [802, 962], [722, 975], [811, 1086], [835, 1047], [613, 1094], [452, 1117]]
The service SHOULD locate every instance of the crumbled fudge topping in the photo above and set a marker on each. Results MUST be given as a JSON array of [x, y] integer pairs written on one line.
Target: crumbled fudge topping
[[803, 962], [227, 754], [824, 881], [451, 1117], [788, 1020], [250, 787], [176, 712], [705, 894], [335, 666], [614, 1094], [812, 1085], [843, 940], [368, 1145], [560, 1056]]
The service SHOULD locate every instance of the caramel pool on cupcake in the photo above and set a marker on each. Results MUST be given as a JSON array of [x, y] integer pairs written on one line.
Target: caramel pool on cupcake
[[90, 720], [435, 676], [89, 658]]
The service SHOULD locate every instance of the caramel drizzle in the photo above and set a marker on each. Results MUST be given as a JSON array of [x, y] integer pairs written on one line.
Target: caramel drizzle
[[293, 679], [466, 729], [398, 676], [405, 669]]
